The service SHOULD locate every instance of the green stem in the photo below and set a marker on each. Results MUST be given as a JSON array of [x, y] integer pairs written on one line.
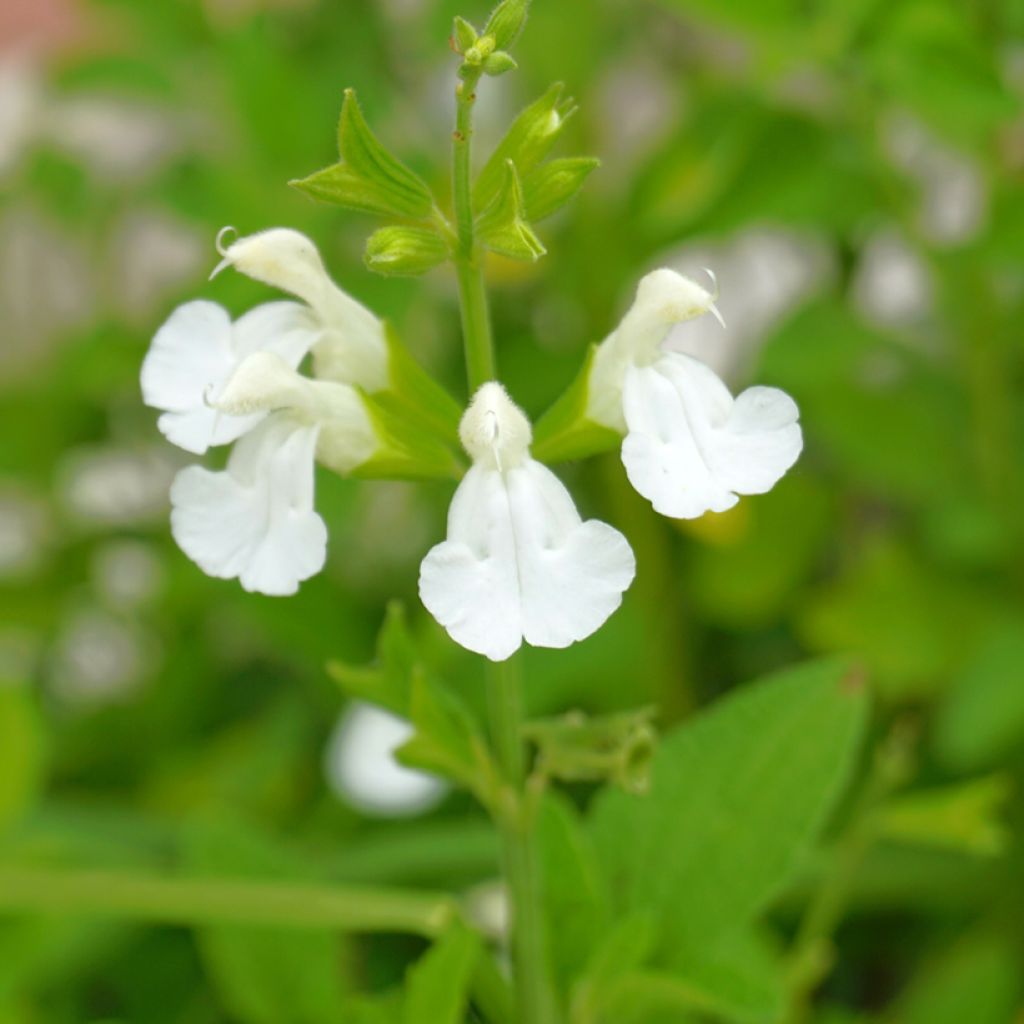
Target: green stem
[[201, 901], [476, 321], [534, 992]]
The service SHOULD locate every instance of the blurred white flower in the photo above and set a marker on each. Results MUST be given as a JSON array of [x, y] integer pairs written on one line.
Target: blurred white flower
[[891, 286], [954, 195], [109, 485], [361, 769], [128, 573], [99, 658], [23, 532], [690, 447], [519, 563]]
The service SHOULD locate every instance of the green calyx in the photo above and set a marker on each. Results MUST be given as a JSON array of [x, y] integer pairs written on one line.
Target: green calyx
[[503, 226], [566, 430], [404, 250]]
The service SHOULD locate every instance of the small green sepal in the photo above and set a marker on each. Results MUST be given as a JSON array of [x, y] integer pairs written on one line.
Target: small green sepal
[[617, 748], [549, 187], [503, 228], [565, 431], [498, 63], [367, 178], [404, 251], [506, 22], [464, 35]]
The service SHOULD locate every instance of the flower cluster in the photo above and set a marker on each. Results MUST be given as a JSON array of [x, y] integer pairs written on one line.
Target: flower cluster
[[518, 563]]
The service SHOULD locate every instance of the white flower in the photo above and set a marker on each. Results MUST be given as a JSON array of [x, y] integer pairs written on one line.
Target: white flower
[[519, 563], [690, 447], [217, 381], [352, 345]]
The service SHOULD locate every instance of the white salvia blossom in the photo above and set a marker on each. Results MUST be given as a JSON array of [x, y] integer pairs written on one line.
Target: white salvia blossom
[[690, 447], [217, 381], [519, 563]]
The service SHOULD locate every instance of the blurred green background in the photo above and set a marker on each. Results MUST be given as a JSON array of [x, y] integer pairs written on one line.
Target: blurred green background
[[852, 171]]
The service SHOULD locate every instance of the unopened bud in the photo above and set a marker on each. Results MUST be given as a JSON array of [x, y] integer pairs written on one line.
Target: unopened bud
[[404, 251], [507, 22]]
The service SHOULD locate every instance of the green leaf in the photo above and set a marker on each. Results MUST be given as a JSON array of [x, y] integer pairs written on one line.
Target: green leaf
[[404, 250], [979, 981], [526, 143], [620, 950], [368, 178], [576, 902], [503, 227], [447, 741], [437, 987], [388, 681], [22, 743], [549, 187], [264, 975], [981, 719], [738, 797]]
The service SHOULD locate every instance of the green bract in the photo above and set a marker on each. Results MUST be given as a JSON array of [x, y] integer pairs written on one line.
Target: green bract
[[404, 251], [503, 226], [367, 178]]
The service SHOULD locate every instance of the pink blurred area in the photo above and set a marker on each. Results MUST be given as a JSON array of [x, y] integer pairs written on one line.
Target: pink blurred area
[[39, 25]]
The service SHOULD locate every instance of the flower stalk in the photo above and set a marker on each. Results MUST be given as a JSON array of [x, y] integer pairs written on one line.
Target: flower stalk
[[534, 995]]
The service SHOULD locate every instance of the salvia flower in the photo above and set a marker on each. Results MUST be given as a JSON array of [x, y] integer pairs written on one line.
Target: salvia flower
[[216, 382], [690, 447], [519, 563]]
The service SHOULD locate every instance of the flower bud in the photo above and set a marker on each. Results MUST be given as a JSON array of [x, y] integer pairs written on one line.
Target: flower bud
[[463, 34], [507, 22], [400, 250]]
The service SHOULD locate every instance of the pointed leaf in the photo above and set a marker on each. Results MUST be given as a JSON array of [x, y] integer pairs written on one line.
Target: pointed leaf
[[437, 987], [738, 797]]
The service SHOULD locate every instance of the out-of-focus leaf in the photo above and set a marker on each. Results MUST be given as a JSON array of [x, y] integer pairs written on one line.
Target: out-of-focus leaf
[[447, 741], [979, 981], [437, 987], [576, 900], [22, 752], [909, 622], [981, 718], [264, 975], [388, 681], [737, 799]]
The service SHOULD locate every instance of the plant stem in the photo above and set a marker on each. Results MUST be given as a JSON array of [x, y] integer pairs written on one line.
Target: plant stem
[[476, 321], [534, 993], [200, 901]]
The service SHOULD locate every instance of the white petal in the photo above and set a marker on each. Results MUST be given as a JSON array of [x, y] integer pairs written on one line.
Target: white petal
[[692, 448], [287, 329], [255, 521], [572, 574], [518, 563], [469, 583], [195, 353]]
